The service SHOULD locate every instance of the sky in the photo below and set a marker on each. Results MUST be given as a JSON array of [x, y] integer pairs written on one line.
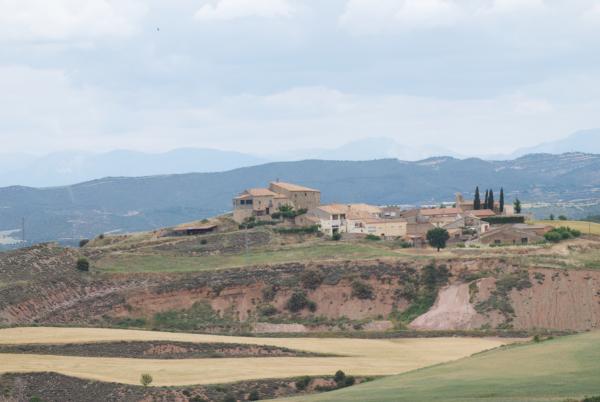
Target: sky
[[262, 76]]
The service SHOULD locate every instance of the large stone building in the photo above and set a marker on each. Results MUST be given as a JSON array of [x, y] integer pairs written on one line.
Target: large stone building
[[262, 202]]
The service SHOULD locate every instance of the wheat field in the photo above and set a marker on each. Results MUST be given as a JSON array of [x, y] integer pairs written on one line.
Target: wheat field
[[356, 356]]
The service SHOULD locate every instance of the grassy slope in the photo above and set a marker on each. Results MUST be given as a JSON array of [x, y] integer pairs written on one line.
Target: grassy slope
[[304, 252], [554, 370], [584, 227]]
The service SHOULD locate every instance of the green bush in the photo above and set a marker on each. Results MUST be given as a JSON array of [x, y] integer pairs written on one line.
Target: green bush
[[336, 236], [339, 377], [254, 396], [503, 220], [299, 230], [561, 233], [229, 398], [362, 290], [146, 379], [269, 292], [298, 302], [83, 242], [350, 380], [372, 237], [83, 264], [268, 310], [311, 279], [302, 383]]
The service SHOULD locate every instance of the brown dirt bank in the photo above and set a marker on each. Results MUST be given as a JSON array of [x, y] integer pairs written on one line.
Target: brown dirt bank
[[40, 285], [52, 387]]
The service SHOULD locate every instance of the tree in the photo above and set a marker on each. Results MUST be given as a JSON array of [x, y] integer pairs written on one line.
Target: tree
[[437, 238], [83, 264], [146, 379], [517, 205], [501, 199], [562, 218], [485, 203], [477, 200], [491, 200]]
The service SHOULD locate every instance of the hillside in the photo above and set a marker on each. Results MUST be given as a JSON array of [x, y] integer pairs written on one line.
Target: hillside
[[132, 204], [263, 281], [554, 370]]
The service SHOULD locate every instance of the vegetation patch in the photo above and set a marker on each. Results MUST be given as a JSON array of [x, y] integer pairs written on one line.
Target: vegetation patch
[[422, 290], [156, 350], [500, 297]]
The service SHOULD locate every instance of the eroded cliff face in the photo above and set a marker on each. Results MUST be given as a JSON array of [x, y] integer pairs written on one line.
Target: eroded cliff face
[[40, 285]]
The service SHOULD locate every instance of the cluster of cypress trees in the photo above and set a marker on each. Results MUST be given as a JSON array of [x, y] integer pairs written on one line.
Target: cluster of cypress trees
[[489, 201]]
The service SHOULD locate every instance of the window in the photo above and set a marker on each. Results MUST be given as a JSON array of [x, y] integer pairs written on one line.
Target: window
[[497, 241]]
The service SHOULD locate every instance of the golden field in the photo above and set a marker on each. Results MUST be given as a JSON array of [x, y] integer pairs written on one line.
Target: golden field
[[356, 356]]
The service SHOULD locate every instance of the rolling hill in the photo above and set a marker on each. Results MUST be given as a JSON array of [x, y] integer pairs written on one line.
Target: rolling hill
[[523, 373], [72, 212]]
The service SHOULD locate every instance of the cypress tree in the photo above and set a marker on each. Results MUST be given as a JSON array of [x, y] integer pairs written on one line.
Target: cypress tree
[[477, 200], [517, 205], [501, 199], [487, 198], [491, 200]]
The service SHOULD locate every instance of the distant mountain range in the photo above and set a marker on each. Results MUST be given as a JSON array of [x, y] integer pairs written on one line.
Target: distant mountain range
[[69, 167], [581, 141], [63, 168], [130, 204]]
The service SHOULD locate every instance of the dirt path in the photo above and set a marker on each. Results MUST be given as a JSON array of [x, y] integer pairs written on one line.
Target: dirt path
[[363, 356]]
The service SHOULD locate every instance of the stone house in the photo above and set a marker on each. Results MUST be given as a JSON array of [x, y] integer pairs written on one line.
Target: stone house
[[515, 234], [260, 203]]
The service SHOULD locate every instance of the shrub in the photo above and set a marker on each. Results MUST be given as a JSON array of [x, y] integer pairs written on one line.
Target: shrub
[[298, 301], [229, 398], [350, 380], [372, 237], [562, 218], [197, 399], [254, 396], [303, 382], [311, 279], [336, 236], [101, 237], [403, 244], [339, 377], [553, 236], [203, 241], [146, 379], [504, 220], [269, 292], [299, 230], [561, 233], [83, 264], [362, 290], [83, 242], [268, 310]]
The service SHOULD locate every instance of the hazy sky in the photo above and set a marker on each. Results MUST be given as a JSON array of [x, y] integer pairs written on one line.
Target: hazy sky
[[475, 76]]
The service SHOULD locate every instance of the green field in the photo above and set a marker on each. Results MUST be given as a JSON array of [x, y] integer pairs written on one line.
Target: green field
[[155, 262], [554, 370]]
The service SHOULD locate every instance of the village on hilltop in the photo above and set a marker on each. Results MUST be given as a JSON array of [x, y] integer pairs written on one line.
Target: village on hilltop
[[485, 221]]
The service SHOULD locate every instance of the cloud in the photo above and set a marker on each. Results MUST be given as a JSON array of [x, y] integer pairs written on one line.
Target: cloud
[[233, 9], [43, 20]]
